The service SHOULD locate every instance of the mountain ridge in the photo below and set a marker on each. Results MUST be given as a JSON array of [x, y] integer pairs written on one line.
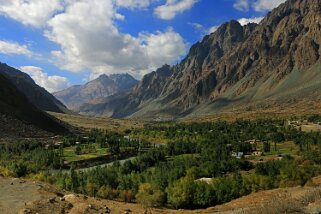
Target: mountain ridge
[[235, 65], [103, 86], [20, 118], [35, 94]]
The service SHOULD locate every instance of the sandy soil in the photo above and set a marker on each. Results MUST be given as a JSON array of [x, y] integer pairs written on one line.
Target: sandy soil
[[15, 194]]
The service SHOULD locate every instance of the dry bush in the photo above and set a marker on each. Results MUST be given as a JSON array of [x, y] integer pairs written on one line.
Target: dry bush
[[284, 203]]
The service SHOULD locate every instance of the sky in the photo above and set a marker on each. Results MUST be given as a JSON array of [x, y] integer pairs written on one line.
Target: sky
[[60, 43]]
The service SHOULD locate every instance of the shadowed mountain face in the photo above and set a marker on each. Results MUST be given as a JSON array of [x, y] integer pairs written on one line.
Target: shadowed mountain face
[[278, 60], [35, 94], [101, 87], [19, 117]]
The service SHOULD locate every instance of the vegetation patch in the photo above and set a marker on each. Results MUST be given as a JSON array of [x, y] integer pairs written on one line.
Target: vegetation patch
[[201, 165]]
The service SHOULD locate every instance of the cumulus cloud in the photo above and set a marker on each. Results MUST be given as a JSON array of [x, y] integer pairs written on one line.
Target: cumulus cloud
[[245, 21], [7, 47], [50, 83], [242, 5], [162, 47], [257, 5], [90, 40], [31, 12], [171, 8]]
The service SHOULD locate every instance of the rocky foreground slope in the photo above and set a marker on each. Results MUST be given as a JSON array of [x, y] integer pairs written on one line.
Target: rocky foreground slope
[[36, 197], [277, 60]]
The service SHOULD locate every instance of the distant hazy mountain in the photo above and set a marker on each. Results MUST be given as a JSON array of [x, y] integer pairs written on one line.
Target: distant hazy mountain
[[101, 87], [19, 117], [35, 94], [278, 60]]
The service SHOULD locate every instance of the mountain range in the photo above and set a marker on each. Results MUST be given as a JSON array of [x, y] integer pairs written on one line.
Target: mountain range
[[101, 87], [275, 61]]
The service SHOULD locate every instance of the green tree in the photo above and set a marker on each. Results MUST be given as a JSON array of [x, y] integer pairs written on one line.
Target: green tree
[[149, 196], [180, 193], [78, 150], [91, 189], [74, 181], [204, 194]]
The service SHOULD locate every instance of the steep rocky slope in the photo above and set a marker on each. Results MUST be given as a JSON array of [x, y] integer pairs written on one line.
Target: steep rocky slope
[[278, 60], [35, 94], [101, 87], [20, 118]]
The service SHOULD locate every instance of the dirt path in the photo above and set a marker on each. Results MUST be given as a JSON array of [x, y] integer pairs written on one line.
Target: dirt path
[[16, 193]]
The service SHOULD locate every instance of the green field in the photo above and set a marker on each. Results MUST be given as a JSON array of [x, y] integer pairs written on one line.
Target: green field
[[71, 156], [288, 148]]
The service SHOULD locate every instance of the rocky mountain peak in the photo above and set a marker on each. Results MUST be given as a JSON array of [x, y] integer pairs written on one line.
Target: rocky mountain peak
[[101, 87], [102, 77], [236, 65]]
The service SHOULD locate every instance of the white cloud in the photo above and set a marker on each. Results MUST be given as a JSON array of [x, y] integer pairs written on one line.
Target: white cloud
[[90, 40], [162, 47], [203, 30], [245, 21], [257, 5], [88, 37], [133, 4], [265, 5], [242, 5], [50, 83], [197, 26], [206, 31], [30, 12], [7, 47], [212, 29], [171, 8]]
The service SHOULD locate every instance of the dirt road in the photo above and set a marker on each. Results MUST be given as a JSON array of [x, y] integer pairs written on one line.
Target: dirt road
[[16, 193]]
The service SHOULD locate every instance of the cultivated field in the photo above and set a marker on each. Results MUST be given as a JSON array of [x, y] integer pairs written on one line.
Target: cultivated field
[[88, 123]]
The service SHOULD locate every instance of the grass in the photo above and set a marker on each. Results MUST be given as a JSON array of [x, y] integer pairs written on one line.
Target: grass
[[71, 156], [288, 148], [87, 123], [285, 148], [311, 128], [177, 157], [288, 202]]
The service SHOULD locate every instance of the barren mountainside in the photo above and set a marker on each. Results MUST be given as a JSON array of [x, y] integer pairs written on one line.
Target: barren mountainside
[[278, 59], [19, 117], [35, 94], [101, 87]]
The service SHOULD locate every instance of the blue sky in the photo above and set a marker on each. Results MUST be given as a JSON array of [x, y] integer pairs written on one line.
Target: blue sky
[[64, 42]]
